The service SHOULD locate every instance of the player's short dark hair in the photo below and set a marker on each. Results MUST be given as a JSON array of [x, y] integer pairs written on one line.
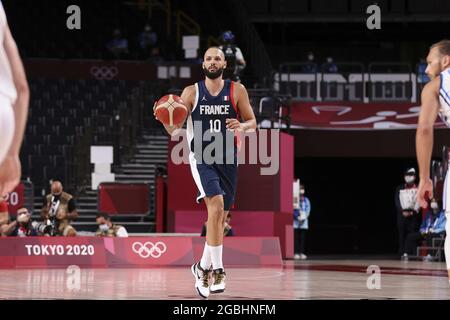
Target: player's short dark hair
[[215, 47], [443, 47]]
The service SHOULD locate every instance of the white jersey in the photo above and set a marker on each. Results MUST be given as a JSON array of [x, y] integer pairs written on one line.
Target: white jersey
[[7, 88]]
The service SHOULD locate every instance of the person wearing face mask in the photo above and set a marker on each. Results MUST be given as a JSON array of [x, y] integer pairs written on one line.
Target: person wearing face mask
[[433, 226], [408, 218], [301, 226], [108, 229], [148, 42], [118, 46], [56, 199], [329, 66], [310, 66], [22, 226]]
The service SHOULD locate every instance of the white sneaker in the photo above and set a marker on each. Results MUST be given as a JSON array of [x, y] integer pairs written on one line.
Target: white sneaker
[[218, 284], [201, 280], [296, 256], [303, 256]]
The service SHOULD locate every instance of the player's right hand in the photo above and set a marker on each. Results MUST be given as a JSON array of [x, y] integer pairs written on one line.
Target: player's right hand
[[154, 113], [425, 192]]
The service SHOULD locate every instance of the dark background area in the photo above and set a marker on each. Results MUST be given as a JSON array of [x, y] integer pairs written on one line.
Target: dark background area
[[352, 199]]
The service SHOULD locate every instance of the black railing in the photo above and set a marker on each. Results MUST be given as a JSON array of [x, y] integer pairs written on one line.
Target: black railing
[[347, 81]]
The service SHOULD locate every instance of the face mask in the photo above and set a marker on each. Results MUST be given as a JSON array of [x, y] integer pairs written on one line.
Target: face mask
[[409, 179], [23, 218], [434, 205], [104, 227], [56, 195], [302, 191], [212, 75]]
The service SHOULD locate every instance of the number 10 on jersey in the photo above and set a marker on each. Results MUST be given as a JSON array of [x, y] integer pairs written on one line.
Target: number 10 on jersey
[[215, 125]]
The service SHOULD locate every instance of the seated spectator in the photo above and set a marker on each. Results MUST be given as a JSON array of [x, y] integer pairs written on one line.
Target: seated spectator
[[148, 40], [329, 66], [118, 46], [422, 77], [5, 226], [228, 229], [22, 226], [311, 65], [107, 229], [433, 226]]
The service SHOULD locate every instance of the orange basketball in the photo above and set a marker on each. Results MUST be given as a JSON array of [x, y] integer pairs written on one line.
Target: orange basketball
[[171, 110]]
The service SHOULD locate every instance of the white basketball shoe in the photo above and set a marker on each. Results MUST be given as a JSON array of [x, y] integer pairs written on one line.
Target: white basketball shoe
[[218, 284], [201, 280]]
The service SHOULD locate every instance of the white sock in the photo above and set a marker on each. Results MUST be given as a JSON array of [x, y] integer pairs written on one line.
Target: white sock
[[216, 256], [205, 262]]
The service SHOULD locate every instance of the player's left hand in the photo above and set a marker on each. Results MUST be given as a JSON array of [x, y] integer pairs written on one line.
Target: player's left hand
[[234, 124]]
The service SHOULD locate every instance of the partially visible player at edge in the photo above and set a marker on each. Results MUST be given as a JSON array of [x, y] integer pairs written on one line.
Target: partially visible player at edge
[[216, 182], [435, 101], [14, 98]]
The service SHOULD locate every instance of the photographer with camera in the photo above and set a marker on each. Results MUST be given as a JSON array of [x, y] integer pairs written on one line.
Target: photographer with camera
[[233, 56], [62, 227], [107, 229], [58, 225], [22, 226], [55, 200]]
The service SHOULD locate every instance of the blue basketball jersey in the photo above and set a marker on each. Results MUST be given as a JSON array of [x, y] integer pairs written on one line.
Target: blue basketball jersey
[[207, 125]]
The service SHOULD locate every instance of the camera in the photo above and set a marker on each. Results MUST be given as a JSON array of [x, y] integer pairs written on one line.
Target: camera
[[41, 228]]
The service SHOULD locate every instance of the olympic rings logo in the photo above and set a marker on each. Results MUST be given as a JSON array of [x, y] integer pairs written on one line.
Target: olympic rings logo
[[149, 249], [104, 73]]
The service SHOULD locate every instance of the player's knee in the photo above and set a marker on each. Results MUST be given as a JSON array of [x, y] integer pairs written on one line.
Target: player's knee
[[216, 213]]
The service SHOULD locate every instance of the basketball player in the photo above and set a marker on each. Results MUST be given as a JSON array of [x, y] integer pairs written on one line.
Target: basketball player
[[215, 106], [435, 100], [14, 97]]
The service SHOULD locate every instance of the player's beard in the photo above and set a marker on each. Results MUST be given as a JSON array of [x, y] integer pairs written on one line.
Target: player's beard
[[213, 75]]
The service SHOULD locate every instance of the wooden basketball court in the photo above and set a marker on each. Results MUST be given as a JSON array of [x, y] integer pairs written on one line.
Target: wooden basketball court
[[314, 279]]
